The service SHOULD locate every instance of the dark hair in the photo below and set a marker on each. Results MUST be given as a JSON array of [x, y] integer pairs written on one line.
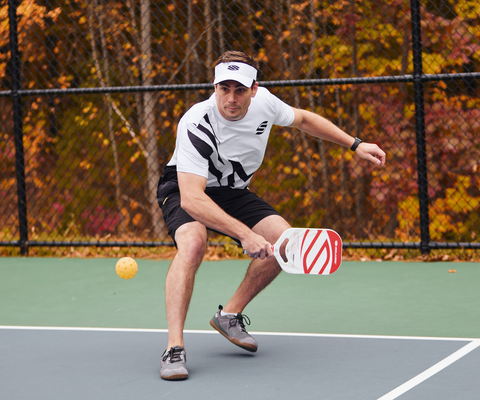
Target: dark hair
[[238, 56]]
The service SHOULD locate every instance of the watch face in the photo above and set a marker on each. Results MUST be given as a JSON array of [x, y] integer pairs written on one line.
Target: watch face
[[355, 144]]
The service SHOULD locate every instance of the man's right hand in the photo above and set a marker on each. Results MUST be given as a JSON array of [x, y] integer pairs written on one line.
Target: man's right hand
[[255, 246]]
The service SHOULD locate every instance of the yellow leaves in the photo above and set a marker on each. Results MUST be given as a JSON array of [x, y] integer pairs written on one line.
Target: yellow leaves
[[308, 198], [467, 9], [440, 223], [38, 182], [364, 112], [87, 108], [457, 199], [53, 14], [445, 213], [411, 206], [85, 165], [368, 113], [8, 183], [262, 56], [408, 212], [409, 111], [135, 157], [433, 63], [64, 81], [29, 14], [136, 219]]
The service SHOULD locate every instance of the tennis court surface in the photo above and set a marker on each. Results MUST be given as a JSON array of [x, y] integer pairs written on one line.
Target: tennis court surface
[[72, 329]]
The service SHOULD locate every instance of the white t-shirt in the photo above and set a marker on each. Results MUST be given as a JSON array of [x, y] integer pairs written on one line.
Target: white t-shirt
[[227, 153]]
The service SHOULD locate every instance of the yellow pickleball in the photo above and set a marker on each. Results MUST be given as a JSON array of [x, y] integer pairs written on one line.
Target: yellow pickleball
[[126, 268]]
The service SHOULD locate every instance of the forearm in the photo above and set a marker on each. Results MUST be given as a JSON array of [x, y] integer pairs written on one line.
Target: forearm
[[204, 210], [322, 128]]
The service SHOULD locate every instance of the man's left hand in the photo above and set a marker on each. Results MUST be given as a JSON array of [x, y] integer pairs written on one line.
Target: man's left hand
[[372, 153]]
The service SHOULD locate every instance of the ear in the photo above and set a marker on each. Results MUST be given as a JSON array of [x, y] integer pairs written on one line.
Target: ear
[[254, 89]]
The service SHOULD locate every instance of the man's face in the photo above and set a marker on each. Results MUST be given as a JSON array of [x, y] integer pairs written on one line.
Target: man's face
[[233, 99]]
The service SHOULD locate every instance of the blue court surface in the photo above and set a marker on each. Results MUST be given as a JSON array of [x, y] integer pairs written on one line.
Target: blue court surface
[[71, 329]]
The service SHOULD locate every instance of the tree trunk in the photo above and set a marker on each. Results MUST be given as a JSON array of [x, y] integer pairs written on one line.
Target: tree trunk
[[148, 121], [359, 186], [208, 24], [190, 41], [221, 37], [343, 190], [312, 102], [293, 63], [102, 74]]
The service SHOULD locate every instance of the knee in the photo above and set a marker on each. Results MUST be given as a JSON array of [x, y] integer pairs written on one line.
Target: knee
[[196, 247], [192, 246]]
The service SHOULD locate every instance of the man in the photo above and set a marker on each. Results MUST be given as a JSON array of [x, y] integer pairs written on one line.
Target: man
[[220, 144]]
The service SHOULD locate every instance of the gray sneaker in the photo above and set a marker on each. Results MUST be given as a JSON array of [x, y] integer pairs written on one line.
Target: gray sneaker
[[173, 366], [233, 328]]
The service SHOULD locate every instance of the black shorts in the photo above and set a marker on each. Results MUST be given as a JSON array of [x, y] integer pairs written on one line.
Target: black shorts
[[241, 204]]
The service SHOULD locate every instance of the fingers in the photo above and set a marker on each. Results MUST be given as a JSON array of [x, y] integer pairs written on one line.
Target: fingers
[[262, 254], [378, 159], [372, 153]]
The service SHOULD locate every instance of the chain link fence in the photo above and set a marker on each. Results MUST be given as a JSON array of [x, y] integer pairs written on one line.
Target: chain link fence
[[92, 92]]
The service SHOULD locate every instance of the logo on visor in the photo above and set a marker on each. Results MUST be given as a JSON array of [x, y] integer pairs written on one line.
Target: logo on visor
[[233, 67]]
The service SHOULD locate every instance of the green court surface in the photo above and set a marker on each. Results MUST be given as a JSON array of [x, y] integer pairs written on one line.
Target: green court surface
[[366, 298]]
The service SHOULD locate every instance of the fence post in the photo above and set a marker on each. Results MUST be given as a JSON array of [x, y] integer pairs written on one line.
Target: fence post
[[419, 88], [18, 126]]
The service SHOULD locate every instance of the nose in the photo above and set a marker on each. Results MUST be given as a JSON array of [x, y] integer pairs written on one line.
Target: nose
[[231, 98]]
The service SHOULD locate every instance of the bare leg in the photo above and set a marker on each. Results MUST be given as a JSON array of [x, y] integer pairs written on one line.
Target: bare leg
[[260, 273], [191, 240]]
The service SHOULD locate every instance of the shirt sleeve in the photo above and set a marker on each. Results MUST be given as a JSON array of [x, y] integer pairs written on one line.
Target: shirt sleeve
[[283, 112]]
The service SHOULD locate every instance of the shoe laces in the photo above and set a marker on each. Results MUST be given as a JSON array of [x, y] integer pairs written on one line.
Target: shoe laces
[[174, 353], [241, 320]]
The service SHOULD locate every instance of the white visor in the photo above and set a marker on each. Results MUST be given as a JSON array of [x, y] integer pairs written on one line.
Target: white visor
[[235, 71]]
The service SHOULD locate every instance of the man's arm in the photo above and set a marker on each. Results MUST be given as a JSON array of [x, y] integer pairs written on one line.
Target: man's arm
[[204, 210], [322, 128]]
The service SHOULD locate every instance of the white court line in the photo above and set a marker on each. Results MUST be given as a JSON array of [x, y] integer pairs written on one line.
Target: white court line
[[431, 371], [324, 335], [81, 328]]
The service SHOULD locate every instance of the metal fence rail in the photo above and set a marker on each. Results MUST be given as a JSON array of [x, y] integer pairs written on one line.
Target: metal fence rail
[[87, 173]]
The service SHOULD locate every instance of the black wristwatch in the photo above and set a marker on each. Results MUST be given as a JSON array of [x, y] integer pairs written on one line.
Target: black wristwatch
[[355, 144]]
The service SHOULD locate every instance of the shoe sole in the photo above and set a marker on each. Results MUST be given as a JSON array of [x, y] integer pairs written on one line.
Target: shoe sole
[[179, 377], [245, 346]]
